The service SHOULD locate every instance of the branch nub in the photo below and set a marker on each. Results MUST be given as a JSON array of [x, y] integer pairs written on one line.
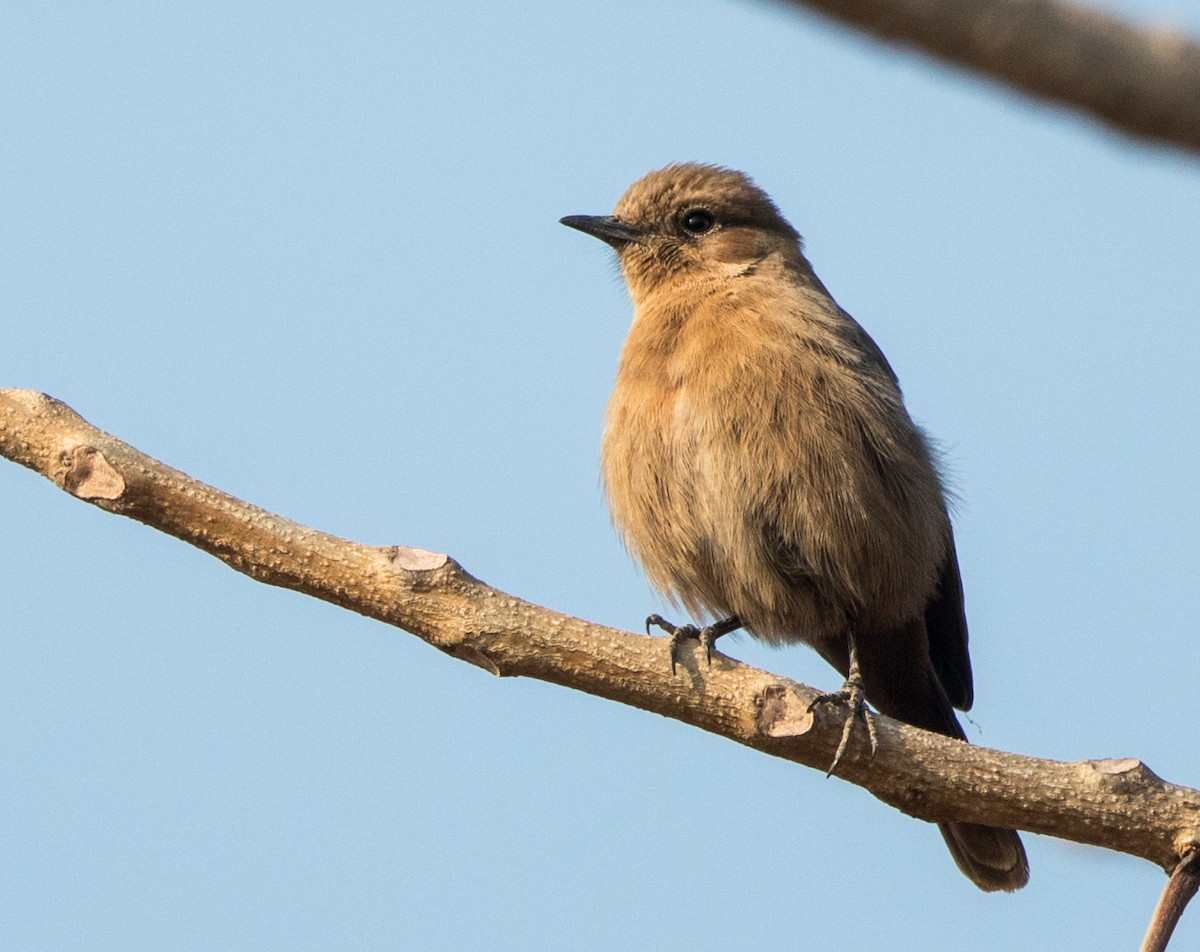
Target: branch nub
[[89, 475]]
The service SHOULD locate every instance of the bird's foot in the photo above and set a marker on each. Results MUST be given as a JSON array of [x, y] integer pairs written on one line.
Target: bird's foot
[[852, 696], [707, 635]]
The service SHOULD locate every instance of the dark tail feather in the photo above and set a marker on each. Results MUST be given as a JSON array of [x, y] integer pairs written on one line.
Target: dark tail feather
[[901, 683], [991, 858]]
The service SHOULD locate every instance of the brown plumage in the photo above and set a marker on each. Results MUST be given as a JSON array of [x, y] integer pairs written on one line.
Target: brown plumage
[[760, 462]]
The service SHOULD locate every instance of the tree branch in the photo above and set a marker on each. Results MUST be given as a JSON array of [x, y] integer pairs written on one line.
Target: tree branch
[[1141, 82], [1117, 804]]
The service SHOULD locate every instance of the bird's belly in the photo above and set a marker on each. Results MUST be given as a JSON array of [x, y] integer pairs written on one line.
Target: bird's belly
[[729, 517]]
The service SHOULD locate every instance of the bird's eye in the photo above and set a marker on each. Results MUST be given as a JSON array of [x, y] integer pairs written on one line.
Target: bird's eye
[[698, 221]]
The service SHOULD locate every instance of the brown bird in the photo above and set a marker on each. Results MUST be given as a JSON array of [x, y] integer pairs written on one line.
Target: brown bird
[[761, 465]]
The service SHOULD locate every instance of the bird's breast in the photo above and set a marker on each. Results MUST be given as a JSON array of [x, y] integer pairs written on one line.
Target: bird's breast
[[752, 471]]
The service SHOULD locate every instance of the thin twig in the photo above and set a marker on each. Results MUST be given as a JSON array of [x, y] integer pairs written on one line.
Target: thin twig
[[1180, 888]]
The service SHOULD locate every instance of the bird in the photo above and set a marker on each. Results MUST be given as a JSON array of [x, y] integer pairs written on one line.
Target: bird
[[761, 466]]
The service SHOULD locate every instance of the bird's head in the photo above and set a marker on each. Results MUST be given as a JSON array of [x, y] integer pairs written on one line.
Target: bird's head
[[691, 222]]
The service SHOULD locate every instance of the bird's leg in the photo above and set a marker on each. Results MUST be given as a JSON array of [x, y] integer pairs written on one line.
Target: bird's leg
[[706, 635], [851, 695]]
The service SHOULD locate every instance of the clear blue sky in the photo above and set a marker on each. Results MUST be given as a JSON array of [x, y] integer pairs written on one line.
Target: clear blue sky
[[309, 253]]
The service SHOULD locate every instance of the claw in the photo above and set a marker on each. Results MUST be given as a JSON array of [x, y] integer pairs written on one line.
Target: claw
[[677, 632], [851, 695], [682, 633], [707, 635]]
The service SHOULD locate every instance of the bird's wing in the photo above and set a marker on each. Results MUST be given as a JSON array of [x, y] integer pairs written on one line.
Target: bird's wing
[[946, 624]]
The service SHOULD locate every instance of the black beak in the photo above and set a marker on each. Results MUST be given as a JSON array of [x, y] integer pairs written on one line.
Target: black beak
[[608, 229]]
